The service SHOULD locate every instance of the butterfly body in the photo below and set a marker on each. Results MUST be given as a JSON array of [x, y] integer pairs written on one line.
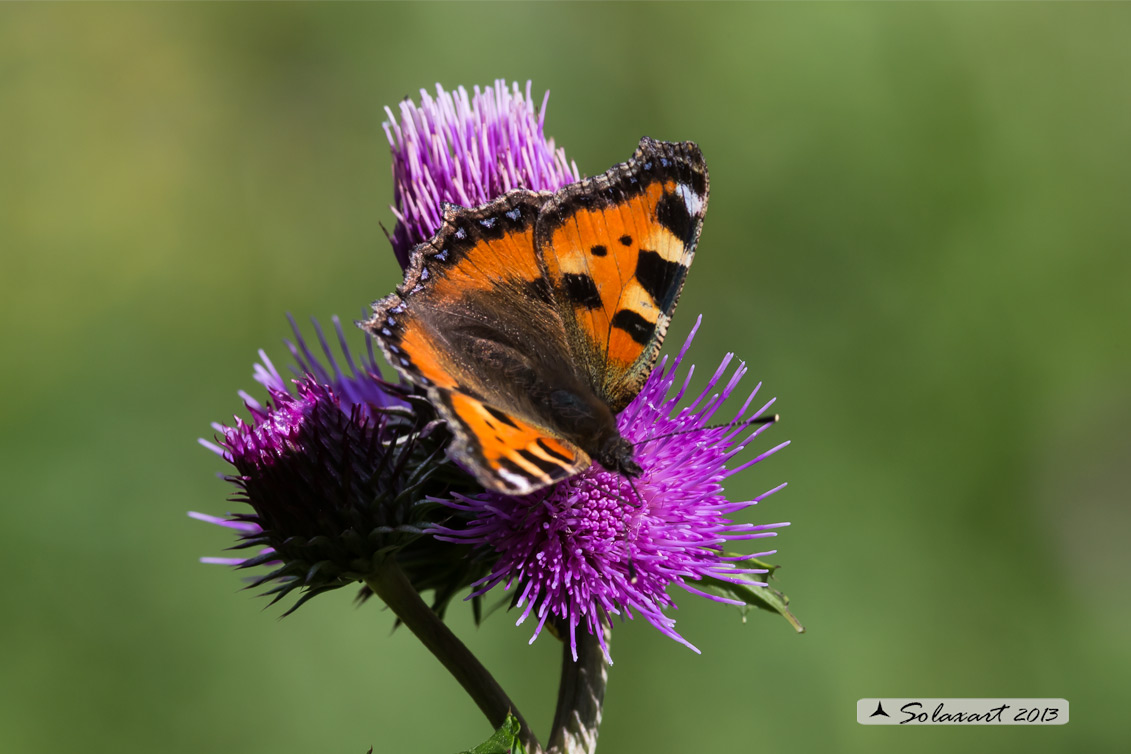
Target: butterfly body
[[531, 321]]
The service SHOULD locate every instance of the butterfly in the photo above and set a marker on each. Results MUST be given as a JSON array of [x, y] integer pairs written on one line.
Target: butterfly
[[532, 320]]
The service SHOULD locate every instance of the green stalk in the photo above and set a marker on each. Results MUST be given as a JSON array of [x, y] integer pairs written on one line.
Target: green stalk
[[581, 693], [393, 587]]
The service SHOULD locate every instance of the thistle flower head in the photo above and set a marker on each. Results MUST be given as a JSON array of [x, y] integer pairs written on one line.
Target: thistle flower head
[[332, 466], [467, 150], [599, 545]]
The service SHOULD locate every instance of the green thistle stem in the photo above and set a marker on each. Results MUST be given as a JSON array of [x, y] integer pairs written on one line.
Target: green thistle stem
[[393, 587], [581, 692]]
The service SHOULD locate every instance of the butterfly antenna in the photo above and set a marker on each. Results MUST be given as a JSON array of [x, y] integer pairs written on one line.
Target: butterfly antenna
[[639, 497], [737, 422]]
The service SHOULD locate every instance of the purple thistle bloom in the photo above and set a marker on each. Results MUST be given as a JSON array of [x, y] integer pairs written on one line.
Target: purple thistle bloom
[[590, 548], [358, 388], [331, 466], [467, 150]]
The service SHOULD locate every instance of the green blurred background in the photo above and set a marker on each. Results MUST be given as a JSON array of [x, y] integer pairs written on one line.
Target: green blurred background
[[918, 238]]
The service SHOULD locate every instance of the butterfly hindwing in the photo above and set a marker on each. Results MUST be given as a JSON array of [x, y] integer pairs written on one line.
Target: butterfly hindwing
[[616, 250], [520, 457]]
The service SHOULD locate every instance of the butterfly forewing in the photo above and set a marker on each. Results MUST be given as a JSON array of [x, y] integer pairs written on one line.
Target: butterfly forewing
[[461, 326], [455, 282], [616, 249]]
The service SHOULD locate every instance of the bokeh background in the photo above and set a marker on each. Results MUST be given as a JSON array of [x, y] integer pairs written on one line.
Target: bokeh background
[[918, 238]]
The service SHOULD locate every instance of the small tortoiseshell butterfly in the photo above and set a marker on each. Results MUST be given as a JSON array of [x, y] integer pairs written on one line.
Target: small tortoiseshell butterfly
[[533, 320]]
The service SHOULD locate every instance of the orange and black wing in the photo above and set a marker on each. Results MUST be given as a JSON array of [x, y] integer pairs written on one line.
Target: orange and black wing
[[473, 316], [508, 454], [616, 249]]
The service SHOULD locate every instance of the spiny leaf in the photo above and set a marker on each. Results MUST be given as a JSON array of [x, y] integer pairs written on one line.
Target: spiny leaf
[[504, 740], [752, 593]]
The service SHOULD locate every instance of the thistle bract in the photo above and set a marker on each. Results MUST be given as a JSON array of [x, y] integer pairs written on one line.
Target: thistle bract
[[333, 467]]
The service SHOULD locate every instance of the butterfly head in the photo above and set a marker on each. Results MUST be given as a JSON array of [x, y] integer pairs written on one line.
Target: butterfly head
[[617, 454]]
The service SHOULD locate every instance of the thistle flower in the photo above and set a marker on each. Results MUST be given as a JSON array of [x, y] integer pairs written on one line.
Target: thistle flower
[[597, 545], [332, 468], [467, 150]]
